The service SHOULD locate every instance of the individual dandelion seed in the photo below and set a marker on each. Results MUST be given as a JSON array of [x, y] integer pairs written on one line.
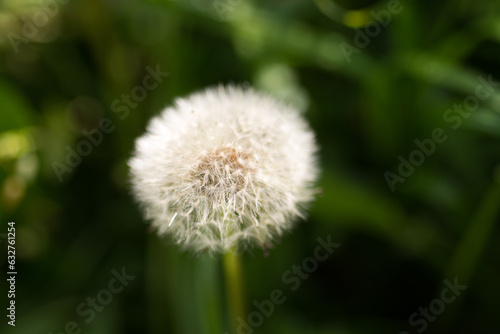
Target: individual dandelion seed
[[225, 167]]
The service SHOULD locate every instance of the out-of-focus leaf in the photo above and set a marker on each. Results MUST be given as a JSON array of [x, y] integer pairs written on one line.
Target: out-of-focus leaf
[[15, 111], [347, 202]]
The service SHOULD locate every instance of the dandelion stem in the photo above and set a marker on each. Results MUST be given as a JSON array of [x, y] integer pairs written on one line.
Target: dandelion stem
[[234, 288]]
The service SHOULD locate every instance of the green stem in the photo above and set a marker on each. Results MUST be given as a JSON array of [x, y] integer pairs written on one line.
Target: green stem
[[234, 288]]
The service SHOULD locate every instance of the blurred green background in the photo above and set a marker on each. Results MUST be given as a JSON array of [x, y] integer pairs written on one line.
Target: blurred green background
[[65, 63]]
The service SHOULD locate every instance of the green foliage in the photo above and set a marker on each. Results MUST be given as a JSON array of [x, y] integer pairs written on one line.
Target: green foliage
[[370, 100]]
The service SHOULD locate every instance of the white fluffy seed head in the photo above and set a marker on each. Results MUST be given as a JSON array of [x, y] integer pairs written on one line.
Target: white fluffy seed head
[[223, 168]]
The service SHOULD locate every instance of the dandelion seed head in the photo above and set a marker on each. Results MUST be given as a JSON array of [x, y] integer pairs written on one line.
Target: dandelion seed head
[[223, 168]]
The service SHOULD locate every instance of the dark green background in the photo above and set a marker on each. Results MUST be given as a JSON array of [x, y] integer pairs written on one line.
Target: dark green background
[[397, 247]]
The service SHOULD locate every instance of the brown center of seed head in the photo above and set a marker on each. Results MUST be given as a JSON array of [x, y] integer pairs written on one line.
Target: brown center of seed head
[[224, 169]]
